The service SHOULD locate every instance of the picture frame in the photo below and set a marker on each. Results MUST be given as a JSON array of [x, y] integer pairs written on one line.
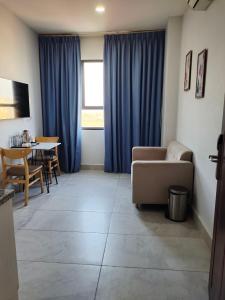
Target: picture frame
[[201, 74], [188, 68]]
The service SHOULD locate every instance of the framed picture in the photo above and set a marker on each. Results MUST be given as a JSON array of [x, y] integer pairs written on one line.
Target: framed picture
[[187, 74], [201, 74]]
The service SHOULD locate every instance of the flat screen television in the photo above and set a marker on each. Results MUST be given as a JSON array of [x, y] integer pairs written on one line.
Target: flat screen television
[[14, 100]]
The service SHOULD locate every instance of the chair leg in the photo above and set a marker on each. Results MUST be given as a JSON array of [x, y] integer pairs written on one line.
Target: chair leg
[[41, 182], [26, 193], [50, 170], [54, 172], [138, 206], [23, 185], [58, 168], [4, 183], [45, 172]]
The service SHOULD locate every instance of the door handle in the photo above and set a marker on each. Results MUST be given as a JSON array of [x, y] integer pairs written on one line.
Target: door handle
[[214, 158], [218, 158]]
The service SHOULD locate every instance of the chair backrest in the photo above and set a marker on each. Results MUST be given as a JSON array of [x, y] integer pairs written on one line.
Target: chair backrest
[[47, 139], [9, 156], [177, 151]]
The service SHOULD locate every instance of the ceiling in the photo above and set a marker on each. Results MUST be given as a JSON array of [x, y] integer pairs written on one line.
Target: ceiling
[[79, 16]]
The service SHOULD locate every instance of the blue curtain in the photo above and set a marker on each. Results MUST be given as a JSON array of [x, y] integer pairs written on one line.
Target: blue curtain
[[60, 68], [133, 82]]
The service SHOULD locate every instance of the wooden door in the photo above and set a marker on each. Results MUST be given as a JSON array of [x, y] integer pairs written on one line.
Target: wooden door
[[217, 268]]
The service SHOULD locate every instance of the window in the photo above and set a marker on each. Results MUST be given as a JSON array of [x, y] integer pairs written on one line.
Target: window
[[92, 111]]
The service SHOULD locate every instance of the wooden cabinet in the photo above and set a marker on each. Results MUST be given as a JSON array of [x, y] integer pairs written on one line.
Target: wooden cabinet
[[8, 264]]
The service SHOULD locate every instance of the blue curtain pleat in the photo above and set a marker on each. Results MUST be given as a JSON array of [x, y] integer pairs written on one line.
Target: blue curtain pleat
[[60, 69], [133, 81]]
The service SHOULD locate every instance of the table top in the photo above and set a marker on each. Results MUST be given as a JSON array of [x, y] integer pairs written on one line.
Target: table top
[[45, 146]]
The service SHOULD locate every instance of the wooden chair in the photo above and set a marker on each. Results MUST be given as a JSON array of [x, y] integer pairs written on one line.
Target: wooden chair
[[52, 161], [20, 173]]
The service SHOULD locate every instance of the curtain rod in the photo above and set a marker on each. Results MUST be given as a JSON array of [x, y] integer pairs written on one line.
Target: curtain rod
[[93, 34]]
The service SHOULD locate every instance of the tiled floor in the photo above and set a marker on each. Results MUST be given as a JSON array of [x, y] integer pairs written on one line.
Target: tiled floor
[[86, 241]]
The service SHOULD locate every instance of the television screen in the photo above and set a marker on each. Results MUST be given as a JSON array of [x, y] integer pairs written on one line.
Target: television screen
[[14, 100]]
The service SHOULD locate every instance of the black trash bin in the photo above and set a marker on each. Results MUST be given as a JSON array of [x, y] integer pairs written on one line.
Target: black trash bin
[[177, 203]]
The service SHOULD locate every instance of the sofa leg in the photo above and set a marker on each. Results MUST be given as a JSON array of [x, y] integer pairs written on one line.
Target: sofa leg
[[138, 206]]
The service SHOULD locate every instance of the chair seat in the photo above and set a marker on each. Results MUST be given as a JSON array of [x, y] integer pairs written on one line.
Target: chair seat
[[14, 171]]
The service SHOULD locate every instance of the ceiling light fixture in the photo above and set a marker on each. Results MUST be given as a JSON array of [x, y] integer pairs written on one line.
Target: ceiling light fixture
[[100, 9]]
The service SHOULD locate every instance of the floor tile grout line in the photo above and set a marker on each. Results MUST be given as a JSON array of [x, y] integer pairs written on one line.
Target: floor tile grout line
[[100, 271], [79, 210], [99, 275], [57, 262], [35, 211], [110, 212], [106, 235], [67, 210], [154, 268], [110, 233], [111, 266], [62, 231], [62, 193], [97, 284], [71, 210], [94, 211]]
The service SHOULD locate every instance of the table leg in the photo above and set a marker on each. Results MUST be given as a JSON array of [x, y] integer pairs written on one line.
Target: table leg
[[56, 180], [45, 172]]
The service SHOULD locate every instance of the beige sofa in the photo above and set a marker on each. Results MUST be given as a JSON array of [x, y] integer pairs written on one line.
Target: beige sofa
[[154, 169]]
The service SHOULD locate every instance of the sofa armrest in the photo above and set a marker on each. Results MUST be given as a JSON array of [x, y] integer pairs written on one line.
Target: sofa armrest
[[148, 153]]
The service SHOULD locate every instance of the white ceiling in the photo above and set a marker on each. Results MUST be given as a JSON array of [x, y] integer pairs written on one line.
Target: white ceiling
[[79, 16]]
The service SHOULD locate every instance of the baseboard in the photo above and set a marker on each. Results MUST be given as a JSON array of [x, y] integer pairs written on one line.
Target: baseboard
[[92, 167], [205, 234]]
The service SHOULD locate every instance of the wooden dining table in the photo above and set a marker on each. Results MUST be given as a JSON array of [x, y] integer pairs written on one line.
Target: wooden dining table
[[41, 148], [45, 146]]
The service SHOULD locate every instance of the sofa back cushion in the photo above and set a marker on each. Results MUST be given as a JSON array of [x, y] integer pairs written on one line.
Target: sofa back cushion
[[177, 151]]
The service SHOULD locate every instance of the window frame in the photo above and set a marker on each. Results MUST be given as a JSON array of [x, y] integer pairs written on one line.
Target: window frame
[[83, 89], [83, 94]]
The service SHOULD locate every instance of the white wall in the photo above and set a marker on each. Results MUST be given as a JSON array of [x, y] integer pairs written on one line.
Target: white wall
[[19, 60], [199, 121], [171, 79], [92, 48], [92, 145]]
